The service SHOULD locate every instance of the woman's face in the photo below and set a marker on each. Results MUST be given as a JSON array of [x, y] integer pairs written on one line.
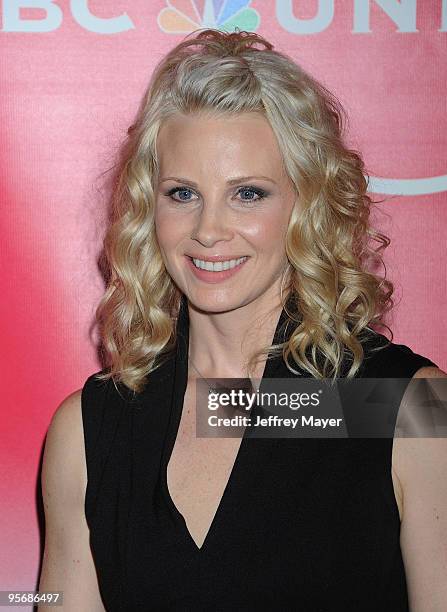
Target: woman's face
[[223, 203]]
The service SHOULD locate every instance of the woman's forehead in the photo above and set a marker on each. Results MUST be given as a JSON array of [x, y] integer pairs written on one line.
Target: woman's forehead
[[241, 145]]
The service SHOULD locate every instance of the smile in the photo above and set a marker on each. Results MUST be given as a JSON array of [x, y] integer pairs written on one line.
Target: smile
[[218, 266], [207, 271]]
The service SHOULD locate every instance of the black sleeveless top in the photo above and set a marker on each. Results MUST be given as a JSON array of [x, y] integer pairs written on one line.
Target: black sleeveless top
[[304, 524]]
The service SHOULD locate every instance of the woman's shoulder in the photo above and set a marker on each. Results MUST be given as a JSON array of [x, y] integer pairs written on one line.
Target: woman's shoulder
[[95, 386], [386, 359], [102, 400], [97, 389]]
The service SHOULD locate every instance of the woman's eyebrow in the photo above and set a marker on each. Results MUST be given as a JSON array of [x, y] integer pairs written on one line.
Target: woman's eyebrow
[[239, 179]]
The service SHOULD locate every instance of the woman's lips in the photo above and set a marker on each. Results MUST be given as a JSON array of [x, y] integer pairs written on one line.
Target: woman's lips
[[213, 277]]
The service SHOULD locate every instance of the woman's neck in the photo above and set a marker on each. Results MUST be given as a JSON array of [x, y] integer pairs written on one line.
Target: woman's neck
[[221, 344]]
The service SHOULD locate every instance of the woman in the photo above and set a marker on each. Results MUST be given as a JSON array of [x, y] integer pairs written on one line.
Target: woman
[[240, 231]]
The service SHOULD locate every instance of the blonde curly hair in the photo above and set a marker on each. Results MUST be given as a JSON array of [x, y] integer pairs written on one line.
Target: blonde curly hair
[[331, 295]]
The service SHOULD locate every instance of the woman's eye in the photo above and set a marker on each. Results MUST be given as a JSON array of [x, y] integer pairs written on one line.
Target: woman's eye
[[258, 192], [179, 190]]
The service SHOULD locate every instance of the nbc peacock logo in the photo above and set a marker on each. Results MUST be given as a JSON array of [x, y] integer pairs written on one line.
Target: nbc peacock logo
[[182, 16]]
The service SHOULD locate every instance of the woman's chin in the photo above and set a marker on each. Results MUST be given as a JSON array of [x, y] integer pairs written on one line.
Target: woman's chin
[[213, 302]]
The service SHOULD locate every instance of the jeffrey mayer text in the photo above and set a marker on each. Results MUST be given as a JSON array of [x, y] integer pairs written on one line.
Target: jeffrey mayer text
[[272, 421]]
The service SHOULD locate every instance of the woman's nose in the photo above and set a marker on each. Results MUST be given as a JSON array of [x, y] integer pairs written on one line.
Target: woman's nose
[[212, 225]]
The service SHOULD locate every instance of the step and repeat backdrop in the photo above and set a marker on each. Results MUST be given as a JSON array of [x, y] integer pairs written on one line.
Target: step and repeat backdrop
[[72, 76]]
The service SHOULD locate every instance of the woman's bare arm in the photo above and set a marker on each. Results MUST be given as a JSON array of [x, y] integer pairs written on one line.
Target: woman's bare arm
[[421, 464], [67, 563]]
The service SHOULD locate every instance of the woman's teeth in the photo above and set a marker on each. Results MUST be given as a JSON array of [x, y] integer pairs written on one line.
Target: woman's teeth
[[218, 266]]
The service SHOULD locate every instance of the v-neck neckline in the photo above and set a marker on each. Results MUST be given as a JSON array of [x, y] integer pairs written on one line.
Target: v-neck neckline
[[179, 385]]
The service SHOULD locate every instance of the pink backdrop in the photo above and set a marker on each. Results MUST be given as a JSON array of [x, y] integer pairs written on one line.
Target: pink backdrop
[[71, 80]]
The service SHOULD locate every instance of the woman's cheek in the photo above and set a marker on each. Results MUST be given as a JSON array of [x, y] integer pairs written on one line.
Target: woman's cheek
[[167, 229], [266, 231]]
